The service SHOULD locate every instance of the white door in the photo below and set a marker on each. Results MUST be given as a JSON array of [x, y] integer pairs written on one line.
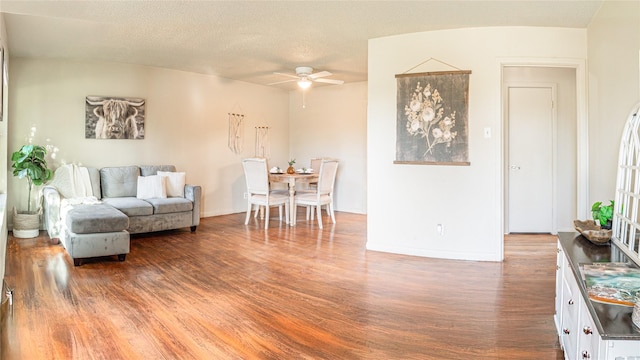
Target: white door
[[530, 159]]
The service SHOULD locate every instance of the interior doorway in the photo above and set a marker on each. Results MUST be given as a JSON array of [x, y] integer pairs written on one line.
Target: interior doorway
[[546, 200], [530, 148]]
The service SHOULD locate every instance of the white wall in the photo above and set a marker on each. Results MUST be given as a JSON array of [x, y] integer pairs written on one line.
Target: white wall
[[614, 88], [5, 112], [186, 122], [406, 202], [333, 124], [3, 157]]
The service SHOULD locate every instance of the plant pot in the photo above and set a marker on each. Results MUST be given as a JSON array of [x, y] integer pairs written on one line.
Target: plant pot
[[25, 225], [291, 170]]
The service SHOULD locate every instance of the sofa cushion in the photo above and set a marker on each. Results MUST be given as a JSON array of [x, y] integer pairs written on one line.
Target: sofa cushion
[[70, 181], [175, 182], [119, 181], [95, 218], [94, 175], [170, 205], [147, 170], [131, 206], [153, 186]]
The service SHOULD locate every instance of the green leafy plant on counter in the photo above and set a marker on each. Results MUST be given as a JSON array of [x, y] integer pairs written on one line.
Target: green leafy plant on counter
[[603, 213]]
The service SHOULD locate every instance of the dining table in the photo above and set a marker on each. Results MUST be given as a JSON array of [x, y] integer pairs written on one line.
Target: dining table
[[292, 180]]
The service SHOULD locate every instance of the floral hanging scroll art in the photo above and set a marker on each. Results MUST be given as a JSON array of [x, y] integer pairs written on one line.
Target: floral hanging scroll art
[[432, 118]]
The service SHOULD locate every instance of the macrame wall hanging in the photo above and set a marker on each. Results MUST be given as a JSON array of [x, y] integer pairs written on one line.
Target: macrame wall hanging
[[263, 149], [236, 132]]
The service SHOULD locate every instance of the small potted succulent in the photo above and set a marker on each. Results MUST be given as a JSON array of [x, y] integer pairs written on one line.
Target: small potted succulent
[[290, 169], [29, 162]]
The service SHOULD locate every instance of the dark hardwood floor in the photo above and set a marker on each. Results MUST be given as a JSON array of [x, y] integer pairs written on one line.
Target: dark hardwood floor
[[231, 291]]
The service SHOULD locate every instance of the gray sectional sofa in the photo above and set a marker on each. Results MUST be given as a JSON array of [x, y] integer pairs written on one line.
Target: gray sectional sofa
[[100, 224]]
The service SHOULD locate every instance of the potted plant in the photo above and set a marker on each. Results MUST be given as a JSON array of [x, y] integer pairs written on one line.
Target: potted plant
[[29, 162], [603, 213], [290, 169]]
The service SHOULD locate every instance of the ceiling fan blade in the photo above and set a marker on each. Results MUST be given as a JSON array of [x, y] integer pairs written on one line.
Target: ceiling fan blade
[[330, 81], [287, 75], [319, 74], [282, 82]]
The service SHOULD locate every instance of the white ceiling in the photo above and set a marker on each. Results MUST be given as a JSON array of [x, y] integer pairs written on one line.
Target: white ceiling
[[249, 40]]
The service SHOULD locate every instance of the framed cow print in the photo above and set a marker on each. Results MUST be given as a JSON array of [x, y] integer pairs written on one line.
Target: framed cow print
[[114, 118]]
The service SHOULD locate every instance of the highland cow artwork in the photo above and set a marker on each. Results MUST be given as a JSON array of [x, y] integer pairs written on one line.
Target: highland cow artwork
[[432, 118], [114, 118]]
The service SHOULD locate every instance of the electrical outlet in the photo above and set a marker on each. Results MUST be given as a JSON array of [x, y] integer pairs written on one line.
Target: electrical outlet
[[245, 196], [440, 229]]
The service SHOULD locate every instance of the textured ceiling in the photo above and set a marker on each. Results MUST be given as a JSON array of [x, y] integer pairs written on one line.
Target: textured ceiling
[[249, 40]]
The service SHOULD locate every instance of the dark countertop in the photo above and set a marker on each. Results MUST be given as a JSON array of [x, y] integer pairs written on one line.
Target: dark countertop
[[612, 321]]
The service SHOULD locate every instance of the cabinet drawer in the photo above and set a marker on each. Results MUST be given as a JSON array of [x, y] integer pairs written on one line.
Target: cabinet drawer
[[570, 297], [570, 312], [588, 336], [559, 283]]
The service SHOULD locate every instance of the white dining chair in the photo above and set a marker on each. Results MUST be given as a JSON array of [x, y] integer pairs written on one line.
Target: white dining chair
[[258, 190], [323, 195], [272, 191], [315, 166]]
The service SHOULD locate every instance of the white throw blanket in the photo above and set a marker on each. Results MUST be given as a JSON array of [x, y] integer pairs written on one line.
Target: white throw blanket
[[74, 184], [72, 181]]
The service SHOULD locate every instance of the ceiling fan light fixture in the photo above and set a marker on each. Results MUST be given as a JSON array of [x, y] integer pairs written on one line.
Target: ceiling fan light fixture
[[304, 83]]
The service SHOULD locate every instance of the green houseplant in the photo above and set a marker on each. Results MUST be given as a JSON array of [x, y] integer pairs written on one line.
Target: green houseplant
[[29, 162], [290, 169], [603, 213]]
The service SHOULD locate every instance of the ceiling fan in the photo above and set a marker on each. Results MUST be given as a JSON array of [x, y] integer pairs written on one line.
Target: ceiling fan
[[305, 76]]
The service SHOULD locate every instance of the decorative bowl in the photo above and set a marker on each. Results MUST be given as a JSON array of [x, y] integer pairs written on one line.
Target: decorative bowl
[[592, 232]]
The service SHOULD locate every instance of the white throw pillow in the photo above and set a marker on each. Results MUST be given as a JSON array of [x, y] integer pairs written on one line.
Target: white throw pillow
[[152, 187], [175, 182]]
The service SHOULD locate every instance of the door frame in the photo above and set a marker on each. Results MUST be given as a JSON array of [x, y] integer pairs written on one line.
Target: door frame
[[582, 136], [554, 143]]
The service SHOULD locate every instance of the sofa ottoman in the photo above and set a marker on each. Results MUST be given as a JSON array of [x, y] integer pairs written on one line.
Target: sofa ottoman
[[94, 230]]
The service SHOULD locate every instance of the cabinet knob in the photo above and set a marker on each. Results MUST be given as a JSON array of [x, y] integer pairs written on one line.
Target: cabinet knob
[[570, 302], [585, 355], [587, 330], [566, 331]]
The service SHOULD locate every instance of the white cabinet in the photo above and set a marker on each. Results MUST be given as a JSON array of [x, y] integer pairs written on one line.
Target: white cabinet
[[588, 336], [569, 309], [578, 332], [557, 317]]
